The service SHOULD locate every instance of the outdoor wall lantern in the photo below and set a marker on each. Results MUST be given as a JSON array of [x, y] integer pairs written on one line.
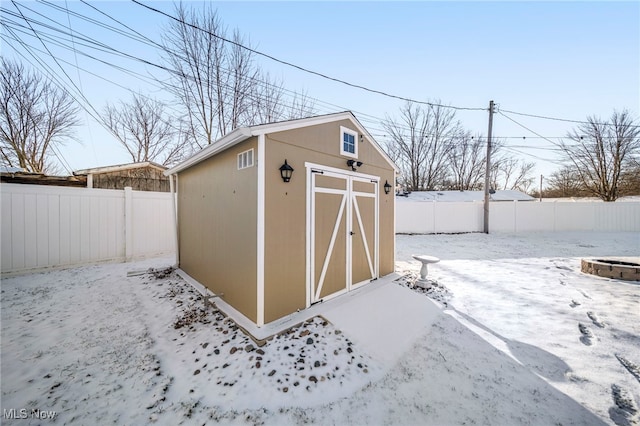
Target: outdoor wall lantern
[[353, 164], [387, 187], [286, 171]]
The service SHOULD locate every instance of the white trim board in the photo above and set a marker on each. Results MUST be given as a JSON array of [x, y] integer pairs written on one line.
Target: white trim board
[[316, 166], [260, 237], [349, 206]]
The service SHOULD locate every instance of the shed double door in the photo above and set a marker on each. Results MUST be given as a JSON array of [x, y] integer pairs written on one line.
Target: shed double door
[[343, 233]]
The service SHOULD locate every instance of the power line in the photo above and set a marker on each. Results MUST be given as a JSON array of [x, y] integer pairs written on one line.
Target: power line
[[557, 162], [104, 48], [525, 127], [95, 44], [309, 71], [123, 54], [150, 42], [55, 60], [566, 120]]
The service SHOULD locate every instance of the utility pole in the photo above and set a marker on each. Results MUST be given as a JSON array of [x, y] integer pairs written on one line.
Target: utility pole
[[541, 176], [487, 180]]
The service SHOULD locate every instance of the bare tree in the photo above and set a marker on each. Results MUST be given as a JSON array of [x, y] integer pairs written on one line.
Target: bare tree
[[145, 130], [421, 140], [211, 78], [565, 183], [302, 106], [630, 180], [267, 104], [35, 117], [511, 173], [216, 79], [467, 162], [601, 152]]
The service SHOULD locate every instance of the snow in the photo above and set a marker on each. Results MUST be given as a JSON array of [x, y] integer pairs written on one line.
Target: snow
[[511, 333], [374, 326]]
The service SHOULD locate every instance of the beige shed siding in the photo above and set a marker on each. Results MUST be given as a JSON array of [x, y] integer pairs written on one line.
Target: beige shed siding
[[387, 223], [285, 208], [217, 217], [285, 233]]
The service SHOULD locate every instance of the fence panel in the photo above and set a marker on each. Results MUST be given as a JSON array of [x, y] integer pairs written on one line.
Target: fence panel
[[458, 217], [518, 216], [152, 223], [57, 226], [502, 217], [617, 216], [428, 217], [415, 217]]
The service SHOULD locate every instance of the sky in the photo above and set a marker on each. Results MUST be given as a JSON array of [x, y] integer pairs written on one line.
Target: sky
[[563, 60]]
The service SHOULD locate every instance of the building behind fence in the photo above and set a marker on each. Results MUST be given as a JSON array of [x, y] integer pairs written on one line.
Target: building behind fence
[[50, 226]]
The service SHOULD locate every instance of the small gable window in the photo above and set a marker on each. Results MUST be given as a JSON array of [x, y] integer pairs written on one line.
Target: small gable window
[[245, 159], [348, 145]]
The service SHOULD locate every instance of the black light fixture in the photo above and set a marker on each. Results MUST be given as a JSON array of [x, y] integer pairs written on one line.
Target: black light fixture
[[286, 171], [353, 164], [387, 187]]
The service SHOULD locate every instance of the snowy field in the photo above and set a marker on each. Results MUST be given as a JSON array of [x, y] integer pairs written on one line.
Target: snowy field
[[520, 336]]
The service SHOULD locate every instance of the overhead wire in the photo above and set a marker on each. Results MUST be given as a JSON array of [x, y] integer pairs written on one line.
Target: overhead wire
[[307, 70], [94, 44], [543, 117], [56, 152], [526, 128], [257, 52], [56, 61], [358, 86], [115, 51], [328, 108]]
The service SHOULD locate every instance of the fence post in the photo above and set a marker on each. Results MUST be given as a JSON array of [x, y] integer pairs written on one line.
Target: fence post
[[433, 211], [174, 217], [128, 223]]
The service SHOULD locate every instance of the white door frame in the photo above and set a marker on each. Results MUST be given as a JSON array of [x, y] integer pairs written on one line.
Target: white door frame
[[346, 208]]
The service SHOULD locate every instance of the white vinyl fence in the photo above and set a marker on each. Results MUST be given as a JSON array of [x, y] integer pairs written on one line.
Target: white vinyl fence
[[419, 217], [49, 226]]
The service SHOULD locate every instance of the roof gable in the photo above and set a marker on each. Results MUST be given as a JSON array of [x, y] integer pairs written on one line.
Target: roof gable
[[243, 133]]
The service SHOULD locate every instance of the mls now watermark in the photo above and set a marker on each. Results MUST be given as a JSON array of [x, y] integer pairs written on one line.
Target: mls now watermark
[[23, 413]]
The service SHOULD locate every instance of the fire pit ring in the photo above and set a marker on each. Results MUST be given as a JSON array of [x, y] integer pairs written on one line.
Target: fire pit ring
[[627, 269]]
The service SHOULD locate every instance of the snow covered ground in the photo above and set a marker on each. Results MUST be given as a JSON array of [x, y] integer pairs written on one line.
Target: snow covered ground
[[518, 336]]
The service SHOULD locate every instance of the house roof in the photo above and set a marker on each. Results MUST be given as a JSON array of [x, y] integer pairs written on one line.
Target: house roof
[[120, 167], [42, 179], [243, 133], [10, 169], [449, 196]]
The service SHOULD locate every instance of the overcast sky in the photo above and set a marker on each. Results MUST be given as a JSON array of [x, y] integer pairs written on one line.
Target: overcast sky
[[562, 60]]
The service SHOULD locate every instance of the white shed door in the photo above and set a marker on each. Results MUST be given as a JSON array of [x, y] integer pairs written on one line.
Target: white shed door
[[343, 240]]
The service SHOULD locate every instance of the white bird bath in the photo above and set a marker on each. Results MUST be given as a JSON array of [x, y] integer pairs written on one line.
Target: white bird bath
[[424, 270]]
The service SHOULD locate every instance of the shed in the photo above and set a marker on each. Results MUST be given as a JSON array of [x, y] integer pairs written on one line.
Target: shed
[[142, 176], [269, 247]]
